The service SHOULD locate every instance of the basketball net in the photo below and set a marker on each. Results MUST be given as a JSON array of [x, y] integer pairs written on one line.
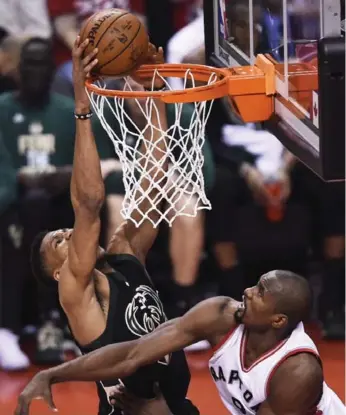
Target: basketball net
[[181, 190]]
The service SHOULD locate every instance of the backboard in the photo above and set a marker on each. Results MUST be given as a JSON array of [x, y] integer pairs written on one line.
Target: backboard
[[304, 39]]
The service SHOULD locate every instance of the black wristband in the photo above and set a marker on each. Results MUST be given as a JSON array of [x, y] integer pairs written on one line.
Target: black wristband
[[83, 116]]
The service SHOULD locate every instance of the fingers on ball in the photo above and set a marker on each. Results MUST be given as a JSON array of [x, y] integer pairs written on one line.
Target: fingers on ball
[[90, 67], [90, 57]]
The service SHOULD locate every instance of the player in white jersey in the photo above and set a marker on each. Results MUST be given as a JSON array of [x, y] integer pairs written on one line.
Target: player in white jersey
[[244, 386], [264, 363]]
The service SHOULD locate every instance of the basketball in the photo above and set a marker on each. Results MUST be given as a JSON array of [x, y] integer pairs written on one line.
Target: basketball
[[121, 39]]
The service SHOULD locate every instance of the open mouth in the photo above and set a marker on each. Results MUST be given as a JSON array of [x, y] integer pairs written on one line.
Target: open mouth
[[242, 305], [241, 311]]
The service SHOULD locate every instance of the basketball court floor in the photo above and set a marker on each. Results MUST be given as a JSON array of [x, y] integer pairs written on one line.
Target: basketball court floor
[[81, 399]]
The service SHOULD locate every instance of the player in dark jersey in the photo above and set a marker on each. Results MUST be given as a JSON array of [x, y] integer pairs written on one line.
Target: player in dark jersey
[[108, 297]]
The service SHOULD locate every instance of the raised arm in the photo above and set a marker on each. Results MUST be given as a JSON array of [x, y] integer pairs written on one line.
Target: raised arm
[[87, 188], [207, 320], [295, 388], [142, 237]]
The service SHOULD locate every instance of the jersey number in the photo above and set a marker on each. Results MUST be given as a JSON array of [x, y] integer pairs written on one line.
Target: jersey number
[[241, 408]]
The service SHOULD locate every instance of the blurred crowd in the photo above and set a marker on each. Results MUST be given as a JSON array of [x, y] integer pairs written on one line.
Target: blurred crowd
[[269, 210]]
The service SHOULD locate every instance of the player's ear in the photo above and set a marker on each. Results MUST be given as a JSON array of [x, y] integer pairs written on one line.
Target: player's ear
[[56, 274], [279, 321]]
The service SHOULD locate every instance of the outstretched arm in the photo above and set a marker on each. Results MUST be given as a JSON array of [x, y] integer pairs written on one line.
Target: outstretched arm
[[141, 238], [207, 320], [87, 188], [122, 359]]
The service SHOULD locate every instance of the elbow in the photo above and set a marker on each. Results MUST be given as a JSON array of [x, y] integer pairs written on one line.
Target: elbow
[[91, 202], [96, 200]]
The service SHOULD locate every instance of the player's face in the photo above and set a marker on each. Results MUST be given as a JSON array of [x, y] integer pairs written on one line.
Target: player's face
[[55, 248], [258, 308], [239, 27]]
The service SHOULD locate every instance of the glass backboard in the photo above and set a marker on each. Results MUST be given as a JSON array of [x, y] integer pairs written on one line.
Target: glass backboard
[[304, 40]]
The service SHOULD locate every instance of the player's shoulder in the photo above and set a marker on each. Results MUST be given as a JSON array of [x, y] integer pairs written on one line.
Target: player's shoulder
[[297, 383], [304, 369]]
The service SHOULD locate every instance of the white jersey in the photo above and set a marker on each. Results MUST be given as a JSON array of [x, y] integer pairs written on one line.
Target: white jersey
[[243, 389]]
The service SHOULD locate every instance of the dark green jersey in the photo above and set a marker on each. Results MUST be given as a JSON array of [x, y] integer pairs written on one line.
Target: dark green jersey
[[7, 179], [40, 138]]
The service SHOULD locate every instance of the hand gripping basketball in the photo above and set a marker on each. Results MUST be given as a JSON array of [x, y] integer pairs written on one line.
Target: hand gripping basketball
[[154, 57], [121, 38], [82, 66]]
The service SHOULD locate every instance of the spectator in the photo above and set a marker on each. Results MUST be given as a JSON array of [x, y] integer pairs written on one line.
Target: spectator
[[241, 180], [326, 205], [24, 19], [306, 19], [238, 25], [40, 145], [248, 156], [62, 42], [186, 42], [11, 356], [38, 129], [173, 15], [9, 58]]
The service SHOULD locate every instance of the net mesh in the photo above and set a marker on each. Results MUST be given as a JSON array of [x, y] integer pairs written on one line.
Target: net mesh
[[173, 191]]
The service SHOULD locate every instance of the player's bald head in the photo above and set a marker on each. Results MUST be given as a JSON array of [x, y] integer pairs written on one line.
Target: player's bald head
[[292, 295]]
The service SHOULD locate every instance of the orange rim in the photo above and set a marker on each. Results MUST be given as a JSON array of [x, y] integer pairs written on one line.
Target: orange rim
[[201, 73]]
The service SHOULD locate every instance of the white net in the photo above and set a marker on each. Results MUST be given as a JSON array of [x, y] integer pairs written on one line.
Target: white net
[[169, 191]]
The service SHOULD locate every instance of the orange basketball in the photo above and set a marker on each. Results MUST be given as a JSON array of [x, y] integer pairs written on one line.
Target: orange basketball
[[121, 39]]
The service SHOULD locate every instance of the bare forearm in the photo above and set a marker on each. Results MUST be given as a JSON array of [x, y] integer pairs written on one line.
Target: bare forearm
[[87, 188], [110, 362], [157, 164], [122, 359]]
